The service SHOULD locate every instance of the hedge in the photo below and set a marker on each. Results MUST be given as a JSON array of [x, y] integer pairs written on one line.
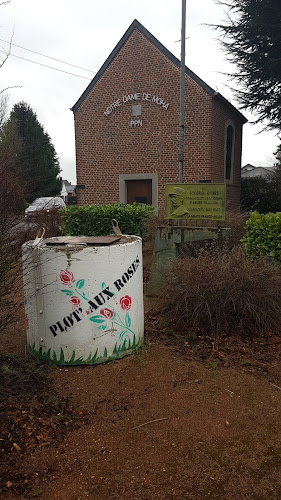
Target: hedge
[[95, 220], [263, 236]]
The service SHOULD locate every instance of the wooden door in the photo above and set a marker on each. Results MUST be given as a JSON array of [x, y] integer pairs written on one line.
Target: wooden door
[[140, 191]]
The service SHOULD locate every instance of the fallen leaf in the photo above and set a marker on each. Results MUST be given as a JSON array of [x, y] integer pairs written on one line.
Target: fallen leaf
[[15, 445], [36, 493], [9, 484]]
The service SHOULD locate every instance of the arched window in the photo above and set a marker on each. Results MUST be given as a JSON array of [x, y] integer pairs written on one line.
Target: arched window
[[229, 150]]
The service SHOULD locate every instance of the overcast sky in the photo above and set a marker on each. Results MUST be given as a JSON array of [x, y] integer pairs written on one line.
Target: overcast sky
[[84, 33]]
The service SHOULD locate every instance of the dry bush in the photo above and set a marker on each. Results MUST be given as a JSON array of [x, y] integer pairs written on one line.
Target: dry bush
[[152, 224], [14, 231], [50, 220], [235, 220], [222, 293], [10, 204]]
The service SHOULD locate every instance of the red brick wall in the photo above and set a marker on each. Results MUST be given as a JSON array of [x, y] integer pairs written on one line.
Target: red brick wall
[[107, 146]]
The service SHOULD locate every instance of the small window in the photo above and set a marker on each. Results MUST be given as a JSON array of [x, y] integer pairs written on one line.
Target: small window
[[229, 152], [136, 110], [142, 188]]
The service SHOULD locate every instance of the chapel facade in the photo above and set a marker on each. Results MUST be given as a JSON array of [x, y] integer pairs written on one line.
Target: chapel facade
[[127, 128]]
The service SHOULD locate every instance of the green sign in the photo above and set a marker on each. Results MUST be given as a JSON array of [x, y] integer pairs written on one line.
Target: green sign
[[195, 201]]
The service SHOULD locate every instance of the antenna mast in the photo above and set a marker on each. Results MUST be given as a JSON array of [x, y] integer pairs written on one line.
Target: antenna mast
[[182, 75]]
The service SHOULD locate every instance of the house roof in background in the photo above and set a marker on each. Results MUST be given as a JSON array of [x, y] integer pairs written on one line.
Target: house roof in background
[[252, 171], [248, 167]]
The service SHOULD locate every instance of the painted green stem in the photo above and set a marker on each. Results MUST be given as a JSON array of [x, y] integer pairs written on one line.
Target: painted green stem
[[81, 295], [122, 324]]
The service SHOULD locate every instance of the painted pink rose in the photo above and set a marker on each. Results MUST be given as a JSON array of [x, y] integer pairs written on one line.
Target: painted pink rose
[[126, 302], [75, 301], [107, 313], [66, 277]]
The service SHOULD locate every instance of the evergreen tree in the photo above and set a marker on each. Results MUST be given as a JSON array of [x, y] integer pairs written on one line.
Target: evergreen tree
[[36, 159], [12, 193], [252, 39]]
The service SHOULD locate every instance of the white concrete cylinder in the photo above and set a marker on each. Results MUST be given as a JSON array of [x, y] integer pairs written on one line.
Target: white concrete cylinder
[[83, 304]]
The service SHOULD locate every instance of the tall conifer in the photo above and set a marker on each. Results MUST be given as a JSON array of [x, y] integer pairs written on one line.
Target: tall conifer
[[37, 159], [251, 37]]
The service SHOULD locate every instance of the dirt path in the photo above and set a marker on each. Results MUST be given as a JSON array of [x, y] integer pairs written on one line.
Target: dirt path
[[219, 438], [216, 432]]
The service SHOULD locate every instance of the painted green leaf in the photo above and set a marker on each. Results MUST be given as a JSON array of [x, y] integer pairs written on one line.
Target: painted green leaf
[[67, 292], [123, 346], [127, 320], [103, 285], [122, 334], [102, 327], [61, 360], [97, 319], [80, 284], [72, 358]]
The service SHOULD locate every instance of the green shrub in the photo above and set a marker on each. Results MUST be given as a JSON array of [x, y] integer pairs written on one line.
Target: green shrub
[[95, 220], [221, 293], [263, 236]]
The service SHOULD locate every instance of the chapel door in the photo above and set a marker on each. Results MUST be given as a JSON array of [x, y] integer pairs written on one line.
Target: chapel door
[[140, 191]]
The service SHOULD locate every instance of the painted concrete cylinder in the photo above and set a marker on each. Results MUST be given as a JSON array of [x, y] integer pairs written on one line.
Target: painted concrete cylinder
[[83, 304]]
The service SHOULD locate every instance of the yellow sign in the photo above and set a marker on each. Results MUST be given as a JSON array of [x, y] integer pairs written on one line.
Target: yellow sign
[[195, 201]]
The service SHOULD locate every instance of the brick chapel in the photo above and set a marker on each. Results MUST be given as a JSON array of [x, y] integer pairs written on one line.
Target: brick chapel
[[127, 128]]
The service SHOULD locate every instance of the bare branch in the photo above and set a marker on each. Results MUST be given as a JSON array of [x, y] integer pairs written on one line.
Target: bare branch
[[12, 87], [8, 88], [9, 50]]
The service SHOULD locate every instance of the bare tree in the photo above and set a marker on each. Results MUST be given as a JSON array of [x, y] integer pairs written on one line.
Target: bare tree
[[3, 109], [7, 53], [10, 199]]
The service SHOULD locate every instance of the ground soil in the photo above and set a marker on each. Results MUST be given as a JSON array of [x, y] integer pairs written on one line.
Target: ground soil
[[174, 421]]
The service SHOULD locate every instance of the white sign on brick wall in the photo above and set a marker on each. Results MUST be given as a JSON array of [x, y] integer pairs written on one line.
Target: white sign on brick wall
[[137, 97], [136, 123]]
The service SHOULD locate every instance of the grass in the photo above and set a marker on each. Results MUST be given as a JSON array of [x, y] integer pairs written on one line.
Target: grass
[[50, 356]]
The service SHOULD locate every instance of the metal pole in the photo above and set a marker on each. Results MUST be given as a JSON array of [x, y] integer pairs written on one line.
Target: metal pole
[[182, 74]]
